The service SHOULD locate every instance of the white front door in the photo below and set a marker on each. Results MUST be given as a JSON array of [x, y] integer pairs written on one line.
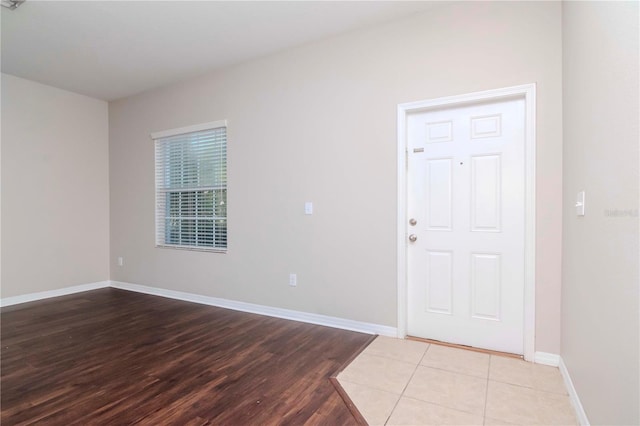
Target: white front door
[[466, 215]]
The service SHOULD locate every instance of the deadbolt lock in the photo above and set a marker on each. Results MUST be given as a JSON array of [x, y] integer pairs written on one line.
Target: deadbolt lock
[[412, 222]]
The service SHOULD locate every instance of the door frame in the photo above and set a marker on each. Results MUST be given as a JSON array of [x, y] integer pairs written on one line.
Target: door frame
[[526, 92]]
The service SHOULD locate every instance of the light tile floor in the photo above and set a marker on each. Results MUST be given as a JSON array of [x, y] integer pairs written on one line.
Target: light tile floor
[[404, 382]]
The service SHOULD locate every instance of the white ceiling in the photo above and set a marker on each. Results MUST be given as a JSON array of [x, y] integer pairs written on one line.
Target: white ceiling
[[113, 49]]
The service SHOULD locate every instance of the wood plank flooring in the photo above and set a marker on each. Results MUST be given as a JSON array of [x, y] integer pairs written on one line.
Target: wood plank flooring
[[116, 357]]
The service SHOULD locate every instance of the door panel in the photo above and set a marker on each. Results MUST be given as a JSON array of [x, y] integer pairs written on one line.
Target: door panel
[[439, 186], [485, 286], [486, 191], [439, 282], [466, 193]]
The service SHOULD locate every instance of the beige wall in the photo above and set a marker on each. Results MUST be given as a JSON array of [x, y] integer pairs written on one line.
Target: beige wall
[[600, 291], [55, 188], [318, 123]]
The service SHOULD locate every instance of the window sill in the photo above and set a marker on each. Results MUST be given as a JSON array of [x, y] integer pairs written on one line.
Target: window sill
[[191, 248]]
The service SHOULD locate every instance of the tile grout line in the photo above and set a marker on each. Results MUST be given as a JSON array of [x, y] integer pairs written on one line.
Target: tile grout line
[[437, 404], [408, 381], [486, 396], [529, 387], [452, 371]]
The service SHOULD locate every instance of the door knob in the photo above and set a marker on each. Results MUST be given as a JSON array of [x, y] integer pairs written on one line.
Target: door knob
[[413, 238], [412, 222]]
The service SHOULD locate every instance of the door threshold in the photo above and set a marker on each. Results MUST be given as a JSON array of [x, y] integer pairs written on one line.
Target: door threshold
[[468, 348]]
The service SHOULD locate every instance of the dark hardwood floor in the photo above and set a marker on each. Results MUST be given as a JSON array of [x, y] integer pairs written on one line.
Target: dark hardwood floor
[[115, 357]]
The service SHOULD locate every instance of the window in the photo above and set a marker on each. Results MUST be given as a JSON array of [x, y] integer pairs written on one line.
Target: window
[[191, 187]]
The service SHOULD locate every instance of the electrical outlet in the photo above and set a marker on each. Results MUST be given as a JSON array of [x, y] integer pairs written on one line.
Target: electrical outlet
[[293, 280], [121, 261]]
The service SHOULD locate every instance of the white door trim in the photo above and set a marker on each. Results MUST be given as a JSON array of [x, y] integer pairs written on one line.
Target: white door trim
[[528, 92]]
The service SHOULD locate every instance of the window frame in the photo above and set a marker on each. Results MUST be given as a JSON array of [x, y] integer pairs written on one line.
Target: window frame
[[160, 212]]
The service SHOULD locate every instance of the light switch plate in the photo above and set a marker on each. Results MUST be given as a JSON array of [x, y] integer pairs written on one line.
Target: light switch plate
[[580, 204], [308, 207]]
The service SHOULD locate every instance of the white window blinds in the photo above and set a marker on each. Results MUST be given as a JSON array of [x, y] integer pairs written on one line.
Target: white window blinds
[[191, 188]]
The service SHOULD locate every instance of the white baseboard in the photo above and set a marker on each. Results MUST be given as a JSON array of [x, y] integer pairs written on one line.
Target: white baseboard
[[555, 360], [31, 297], [573, 395], [318, 319], [546, 358]]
